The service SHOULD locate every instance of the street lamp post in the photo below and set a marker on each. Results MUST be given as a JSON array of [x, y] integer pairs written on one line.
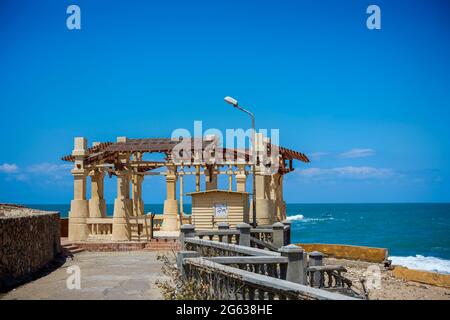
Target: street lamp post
[[235, 104]]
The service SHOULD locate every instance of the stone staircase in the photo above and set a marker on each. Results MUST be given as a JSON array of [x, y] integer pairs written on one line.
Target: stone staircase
[[163, 244], [70, 249]]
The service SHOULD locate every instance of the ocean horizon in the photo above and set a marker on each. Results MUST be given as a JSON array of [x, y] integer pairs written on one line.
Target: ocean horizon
[[417, 235]]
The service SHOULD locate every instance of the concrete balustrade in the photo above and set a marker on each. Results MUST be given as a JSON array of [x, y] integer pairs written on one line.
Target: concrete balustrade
[[296, 269], [244, 234], [316, 260]]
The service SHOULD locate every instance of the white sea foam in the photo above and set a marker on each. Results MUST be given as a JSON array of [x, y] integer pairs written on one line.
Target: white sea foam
[[295, 217], [300, 217], [423, 263]]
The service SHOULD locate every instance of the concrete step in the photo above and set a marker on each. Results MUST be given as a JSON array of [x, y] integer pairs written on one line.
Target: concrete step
[[72, 248], [69, 246], [78, 250]]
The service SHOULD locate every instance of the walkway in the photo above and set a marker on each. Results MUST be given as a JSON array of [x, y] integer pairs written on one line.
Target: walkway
[[104, 275]]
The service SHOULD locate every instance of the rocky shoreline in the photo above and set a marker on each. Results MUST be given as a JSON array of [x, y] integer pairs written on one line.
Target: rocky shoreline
[[391, 287]]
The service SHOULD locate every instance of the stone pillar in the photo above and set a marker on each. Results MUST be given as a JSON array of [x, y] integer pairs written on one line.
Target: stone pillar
[[241, 178], [197, 178], [180, 260], [276, 196], [210, 178], [170, 217], [97, 204], [136, 191], [315, 260], [263, 204], [79, 206], [296, 268], [136, 194], [230, 177], [122, 205], [244, 234], [264, 216], [288, 224], [186, 231], [223, 226], [278, 234], [281, 204]]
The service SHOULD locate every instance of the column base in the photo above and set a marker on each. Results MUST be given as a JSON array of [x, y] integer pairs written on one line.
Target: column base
[[97, 208], [121, 230], [264, 215], [78, 229], [170, 217]]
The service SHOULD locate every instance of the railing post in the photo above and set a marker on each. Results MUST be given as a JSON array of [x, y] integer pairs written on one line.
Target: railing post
[[296, 271], [287, 234], [278, 234], [316, 259], [223, 226], [244, 234], [180, 260], [186, 231]]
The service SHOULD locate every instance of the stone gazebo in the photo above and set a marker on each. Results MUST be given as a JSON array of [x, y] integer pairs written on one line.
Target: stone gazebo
[[124, 159]]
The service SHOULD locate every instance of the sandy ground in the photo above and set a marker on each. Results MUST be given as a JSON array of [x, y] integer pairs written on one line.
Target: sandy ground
[[391, 288], [104, 276]]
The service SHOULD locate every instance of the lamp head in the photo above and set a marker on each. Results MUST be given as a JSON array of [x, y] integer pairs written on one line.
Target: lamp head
[[231, 101]]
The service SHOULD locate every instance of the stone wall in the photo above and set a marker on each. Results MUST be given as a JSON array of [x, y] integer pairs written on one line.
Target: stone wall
[[29, 240], [348, 252], [433, 278]]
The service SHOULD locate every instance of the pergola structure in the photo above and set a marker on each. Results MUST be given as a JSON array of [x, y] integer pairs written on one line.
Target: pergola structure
[[124, 159]]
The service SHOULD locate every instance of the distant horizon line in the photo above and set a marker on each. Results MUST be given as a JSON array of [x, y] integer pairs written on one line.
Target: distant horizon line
[[433, 202]]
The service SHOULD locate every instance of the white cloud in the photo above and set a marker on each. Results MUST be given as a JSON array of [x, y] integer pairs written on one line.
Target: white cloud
[[51, 170], [349, 172], [48, 172], [317, 155], [358, 153], [9, 168]]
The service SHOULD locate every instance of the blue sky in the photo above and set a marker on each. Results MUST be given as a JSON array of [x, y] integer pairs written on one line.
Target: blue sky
[[370, 107]]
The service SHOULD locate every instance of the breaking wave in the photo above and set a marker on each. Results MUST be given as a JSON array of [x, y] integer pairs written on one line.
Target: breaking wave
[[423, 263], [300, 217], [295, 217]]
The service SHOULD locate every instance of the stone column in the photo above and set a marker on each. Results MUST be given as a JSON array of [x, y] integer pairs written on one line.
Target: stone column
[[181, 177], [97, 204], [197, 178], [136, 194], [276, 195], [122, 205], [281, 209], [79, 206], [230, 177], [210, 178], [170, 217], [241, 178], [263, 203]]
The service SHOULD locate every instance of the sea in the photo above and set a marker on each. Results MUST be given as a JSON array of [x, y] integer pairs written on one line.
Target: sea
[[416, 235]]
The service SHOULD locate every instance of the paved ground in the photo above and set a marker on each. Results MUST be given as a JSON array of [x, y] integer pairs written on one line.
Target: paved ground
[[104, 275]]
